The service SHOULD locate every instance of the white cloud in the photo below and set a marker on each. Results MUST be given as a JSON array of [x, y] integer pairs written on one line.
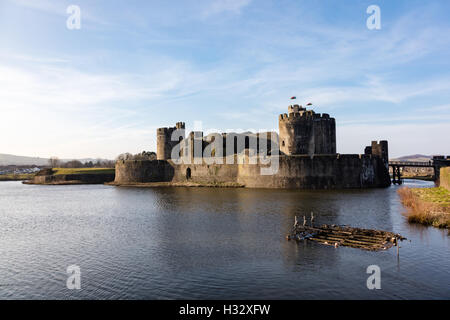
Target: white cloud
[[248, 77], [58, 110], [56, 88]]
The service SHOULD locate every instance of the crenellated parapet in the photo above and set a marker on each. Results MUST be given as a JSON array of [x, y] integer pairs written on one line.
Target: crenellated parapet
[[180, 125], [379, 149]]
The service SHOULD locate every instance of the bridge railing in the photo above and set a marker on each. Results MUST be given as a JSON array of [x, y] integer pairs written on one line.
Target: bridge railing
[[411, 163]]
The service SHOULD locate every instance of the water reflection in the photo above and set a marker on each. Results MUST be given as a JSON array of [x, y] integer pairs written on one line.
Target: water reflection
[[172, 243]]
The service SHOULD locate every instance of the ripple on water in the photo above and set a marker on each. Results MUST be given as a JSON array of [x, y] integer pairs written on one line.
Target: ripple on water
[[194, 243]]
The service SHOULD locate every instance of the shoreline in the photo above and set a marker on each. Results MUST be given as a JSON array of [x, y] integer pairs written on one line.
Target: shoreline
[[175, 184], [16, 177], [57, 183]]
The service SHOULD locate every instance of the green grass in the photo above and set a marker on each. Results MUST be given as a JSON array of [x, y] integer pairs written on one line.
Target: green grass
[[62, 171], [445, 178], [16, 177], [440, 196]]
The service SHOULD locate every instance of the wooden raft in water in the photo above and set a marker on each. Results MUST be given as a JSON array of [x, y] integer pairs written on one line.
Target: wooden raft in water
[[333, 235]]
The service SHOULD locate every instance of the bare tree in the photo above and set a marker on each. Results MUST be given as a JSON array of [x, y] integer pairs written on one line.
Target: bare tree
[[73, 164], [125, 156], [54, 162]]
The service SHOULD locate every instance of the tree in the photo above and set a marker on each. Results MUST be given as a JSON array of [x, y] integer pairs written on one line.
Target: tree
[[54, 162], [74, 164], [124, 156]]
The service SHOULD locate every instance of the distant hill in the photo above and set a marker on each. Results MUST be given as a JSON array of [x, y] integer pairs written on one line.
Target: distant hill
[[414, 157], [9, 159]]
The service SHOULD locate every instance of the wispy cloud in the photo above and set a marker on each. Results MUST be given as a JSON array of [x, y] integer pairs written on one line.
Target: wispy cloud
[[379, 91], [232, 64], [221, 6], [59, 8], [53, 7], [59, 105], [404, 139]]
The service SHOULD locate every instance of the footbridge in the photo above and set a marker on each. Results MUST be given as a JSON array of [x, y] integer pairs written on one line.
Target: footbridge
[[436, 163]]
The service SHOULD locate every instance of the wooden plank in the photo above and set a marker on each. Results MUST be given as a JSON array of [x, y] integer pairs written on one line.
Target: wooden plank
[[333, 235]]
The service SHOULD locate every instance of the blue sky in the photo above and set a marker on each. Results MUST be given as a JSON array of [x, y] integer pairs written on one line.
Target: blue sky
[[231, 64]]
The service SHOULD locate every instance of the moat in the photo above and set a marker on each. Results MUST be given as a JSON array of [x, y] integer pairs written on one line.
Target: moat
[[200, 243]]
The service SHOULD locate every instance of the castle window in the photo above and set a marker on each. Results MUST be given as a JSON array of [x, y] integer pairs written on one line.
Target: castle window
[[282, 144]]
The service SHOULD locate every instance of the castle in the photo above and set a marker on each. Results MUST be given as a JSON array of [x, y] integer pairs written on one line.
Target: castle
[[302, 155], [306, 132]]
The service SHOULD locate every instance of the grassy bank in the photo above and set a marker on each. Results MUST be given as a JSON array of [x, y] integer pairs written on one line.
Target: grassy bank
[[444, 179], [64, 176], [428, 206], [63, 171], [16, 177]]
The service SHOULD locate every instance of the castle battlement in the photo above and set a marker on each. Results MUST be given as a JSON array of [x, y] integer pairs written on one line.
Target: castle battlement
[[164, 130], [180, 125], [297, 116], [303, 114]]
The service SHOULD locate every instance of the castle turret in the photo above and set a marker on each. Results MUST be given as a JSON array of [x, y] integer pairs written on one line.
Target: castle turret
[[306, 132], [164, 143]]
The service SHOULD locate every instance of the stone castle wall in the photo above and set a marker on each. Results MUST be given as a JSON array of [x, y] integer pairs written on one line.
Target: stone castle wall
[[144, 171], [140, 171], [302, 172], [320, 172]]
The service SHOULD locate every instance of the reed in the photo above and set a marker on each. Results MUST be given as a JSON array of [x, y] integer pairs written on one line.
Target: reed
[[428, 206]]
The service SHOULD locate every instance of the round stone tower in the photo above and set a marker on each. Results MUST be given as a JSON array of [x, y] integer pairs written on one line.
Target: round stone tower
[[306, 132], [164, 143]]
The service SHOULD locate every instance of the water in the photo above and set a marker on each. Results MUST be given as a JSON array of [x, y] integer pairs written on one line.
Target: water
[[198, 243]]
